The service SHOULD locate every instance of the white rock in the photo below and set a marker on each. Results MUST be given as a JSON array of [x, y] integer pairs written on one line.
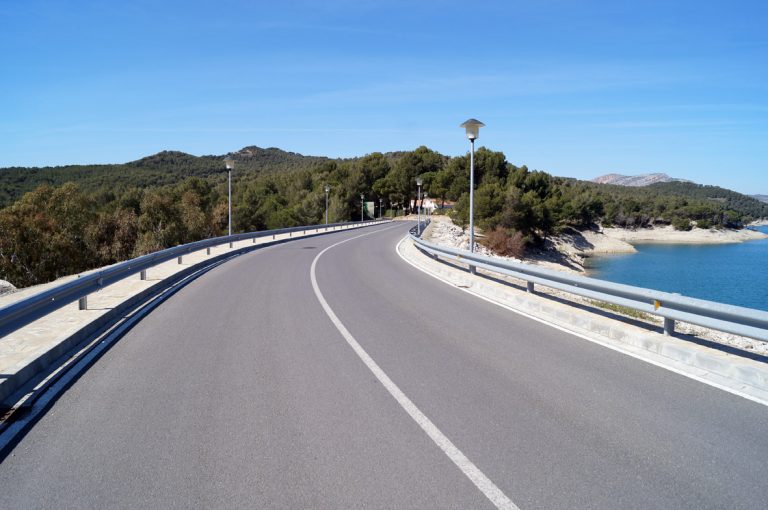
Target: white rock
[[6, 288]]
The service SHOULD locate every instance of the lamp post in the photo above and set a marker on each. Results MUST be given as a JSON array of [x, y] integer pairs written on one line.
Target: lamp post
[[230, 163], [426, 209], [381, 210], [362, 206], [327, 190], [472, 127], [418, 198]]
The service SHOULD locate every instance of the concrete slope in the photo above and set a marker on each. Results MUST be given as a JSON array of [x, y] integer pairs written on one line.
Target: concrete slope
[[239, 391]]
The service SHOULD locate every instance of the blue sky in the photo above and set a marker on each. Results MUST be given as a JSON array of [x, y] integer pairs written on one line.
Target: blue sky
[[575, 88]]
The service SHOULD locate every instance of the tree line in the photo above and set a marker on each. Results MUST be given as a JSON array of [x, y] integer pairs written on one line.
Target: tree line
[[68, 227]]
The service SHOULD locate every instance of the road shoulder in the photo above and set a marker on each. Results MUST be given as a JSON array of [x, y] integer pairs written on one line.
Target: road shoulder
[[735, 374]]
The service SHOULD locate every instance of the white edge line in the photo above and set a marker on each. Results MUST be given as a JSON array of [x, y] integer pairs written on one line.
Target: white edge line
[[624, 350], [477, 477]]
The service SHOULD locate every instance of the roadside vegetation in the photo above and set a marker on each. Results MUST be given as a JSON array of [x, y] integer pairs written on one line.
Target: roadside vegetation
[[623, 310], [63, 220]]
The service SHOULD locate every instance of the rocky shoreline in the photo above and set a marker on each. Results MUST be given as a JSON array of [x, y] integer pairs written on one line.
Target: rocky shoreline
[[569, 250], [578, 246], [668, 235]]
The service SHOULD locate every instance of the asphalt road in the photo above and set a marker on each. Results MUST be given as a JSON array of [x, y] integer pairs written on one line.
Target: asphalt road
[[240, 392]]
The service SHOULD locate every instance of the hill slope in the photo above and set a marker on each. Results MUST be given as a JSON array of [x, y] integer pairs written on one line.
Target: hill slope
[[167, 167], [731, 200]]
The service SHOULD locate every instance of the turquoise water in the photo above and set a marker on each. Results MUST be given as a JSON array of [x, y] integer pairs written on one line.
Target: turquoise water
[[728, 273]]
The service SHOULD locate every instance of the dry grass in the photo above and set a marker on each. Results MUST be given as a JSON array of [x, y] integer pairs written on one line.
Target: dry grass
[[624, 310]]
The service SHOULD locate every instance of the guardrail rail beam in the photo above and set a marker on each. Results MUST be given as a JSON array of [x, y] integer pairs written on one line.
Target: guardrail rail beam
[[20, 313], [732, 319]]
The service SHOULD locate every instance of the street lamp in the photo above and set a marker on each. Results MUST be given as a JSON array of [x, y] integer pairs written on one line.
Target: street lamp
[[419, 181], [327, 190], [426, 209], [362, 206], [230, 163], [381, 210], [472, 126]]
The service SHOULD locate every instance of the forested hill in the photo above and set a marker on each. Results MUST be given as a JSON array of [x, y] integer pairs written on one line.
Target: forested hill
[[745, 204], [163, 168], [59, 221]]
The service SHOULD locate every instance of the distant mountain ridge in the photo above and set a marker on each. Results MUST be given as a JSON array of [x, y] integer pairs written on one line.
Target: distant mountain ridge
[[636, 180], [644, 180]]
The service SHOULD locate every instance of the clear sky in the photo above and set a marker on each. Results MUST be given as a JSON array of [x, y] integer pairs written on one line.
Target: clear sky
[[576, 88]]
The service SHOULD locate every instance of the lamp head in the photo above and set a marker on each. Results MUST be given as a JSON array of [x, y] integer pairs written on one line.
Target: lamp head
[[472, 126], [229, 162], [419, 181], [327, 188]]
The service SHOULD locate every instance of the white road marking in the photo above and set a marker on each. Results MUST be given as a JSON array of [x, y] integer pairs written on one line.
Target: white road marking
[[482, 482], [636, 353]]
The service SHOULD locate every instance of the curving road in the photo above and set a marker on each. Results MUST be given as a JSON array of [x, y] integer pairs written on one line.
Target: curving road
[[377, 387]]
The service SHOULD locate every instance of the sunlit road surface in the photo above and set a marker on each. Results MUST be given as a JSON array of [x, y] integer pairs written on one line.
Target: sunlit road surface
[[373, 385]]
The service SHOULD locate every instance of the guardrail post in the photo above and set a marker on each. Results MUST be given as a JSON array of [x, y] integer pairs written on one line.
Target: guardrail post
[[208, 251], [82, 303], [178, 260], [529, 287], [231, 244], [273, 237], [669, 326], [254, 240], [290, 234], [143, 274]]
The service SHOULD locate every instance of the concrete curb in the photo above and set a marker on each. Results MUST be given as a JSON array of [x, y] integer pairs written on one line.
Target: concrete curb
[[742, 376], [62, 347]]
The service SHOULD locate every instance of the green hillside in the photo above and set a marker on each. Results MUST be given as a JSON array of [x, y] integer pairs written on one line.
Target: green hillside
[[163, 168], [62, 220], [665, 203], [745, 204]]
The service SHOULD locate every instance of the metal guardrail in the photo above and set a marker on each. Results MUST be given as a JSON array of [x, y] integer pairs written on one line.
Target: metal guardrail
[[24, 311], [672, 307]]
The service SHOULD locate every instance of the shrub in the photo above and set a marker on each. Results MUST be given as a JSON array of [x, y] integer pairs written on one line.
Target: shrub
[[682, 224], [705, 224], [501, 242]]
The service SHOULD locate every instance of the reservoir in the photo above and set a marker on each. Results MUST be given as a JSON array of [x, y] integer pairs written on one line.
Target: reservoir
[[736, 273]]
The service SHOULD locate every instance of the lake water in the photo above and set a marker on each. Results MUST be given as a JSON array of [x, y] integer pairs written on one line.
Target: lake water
[[728, 273]]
